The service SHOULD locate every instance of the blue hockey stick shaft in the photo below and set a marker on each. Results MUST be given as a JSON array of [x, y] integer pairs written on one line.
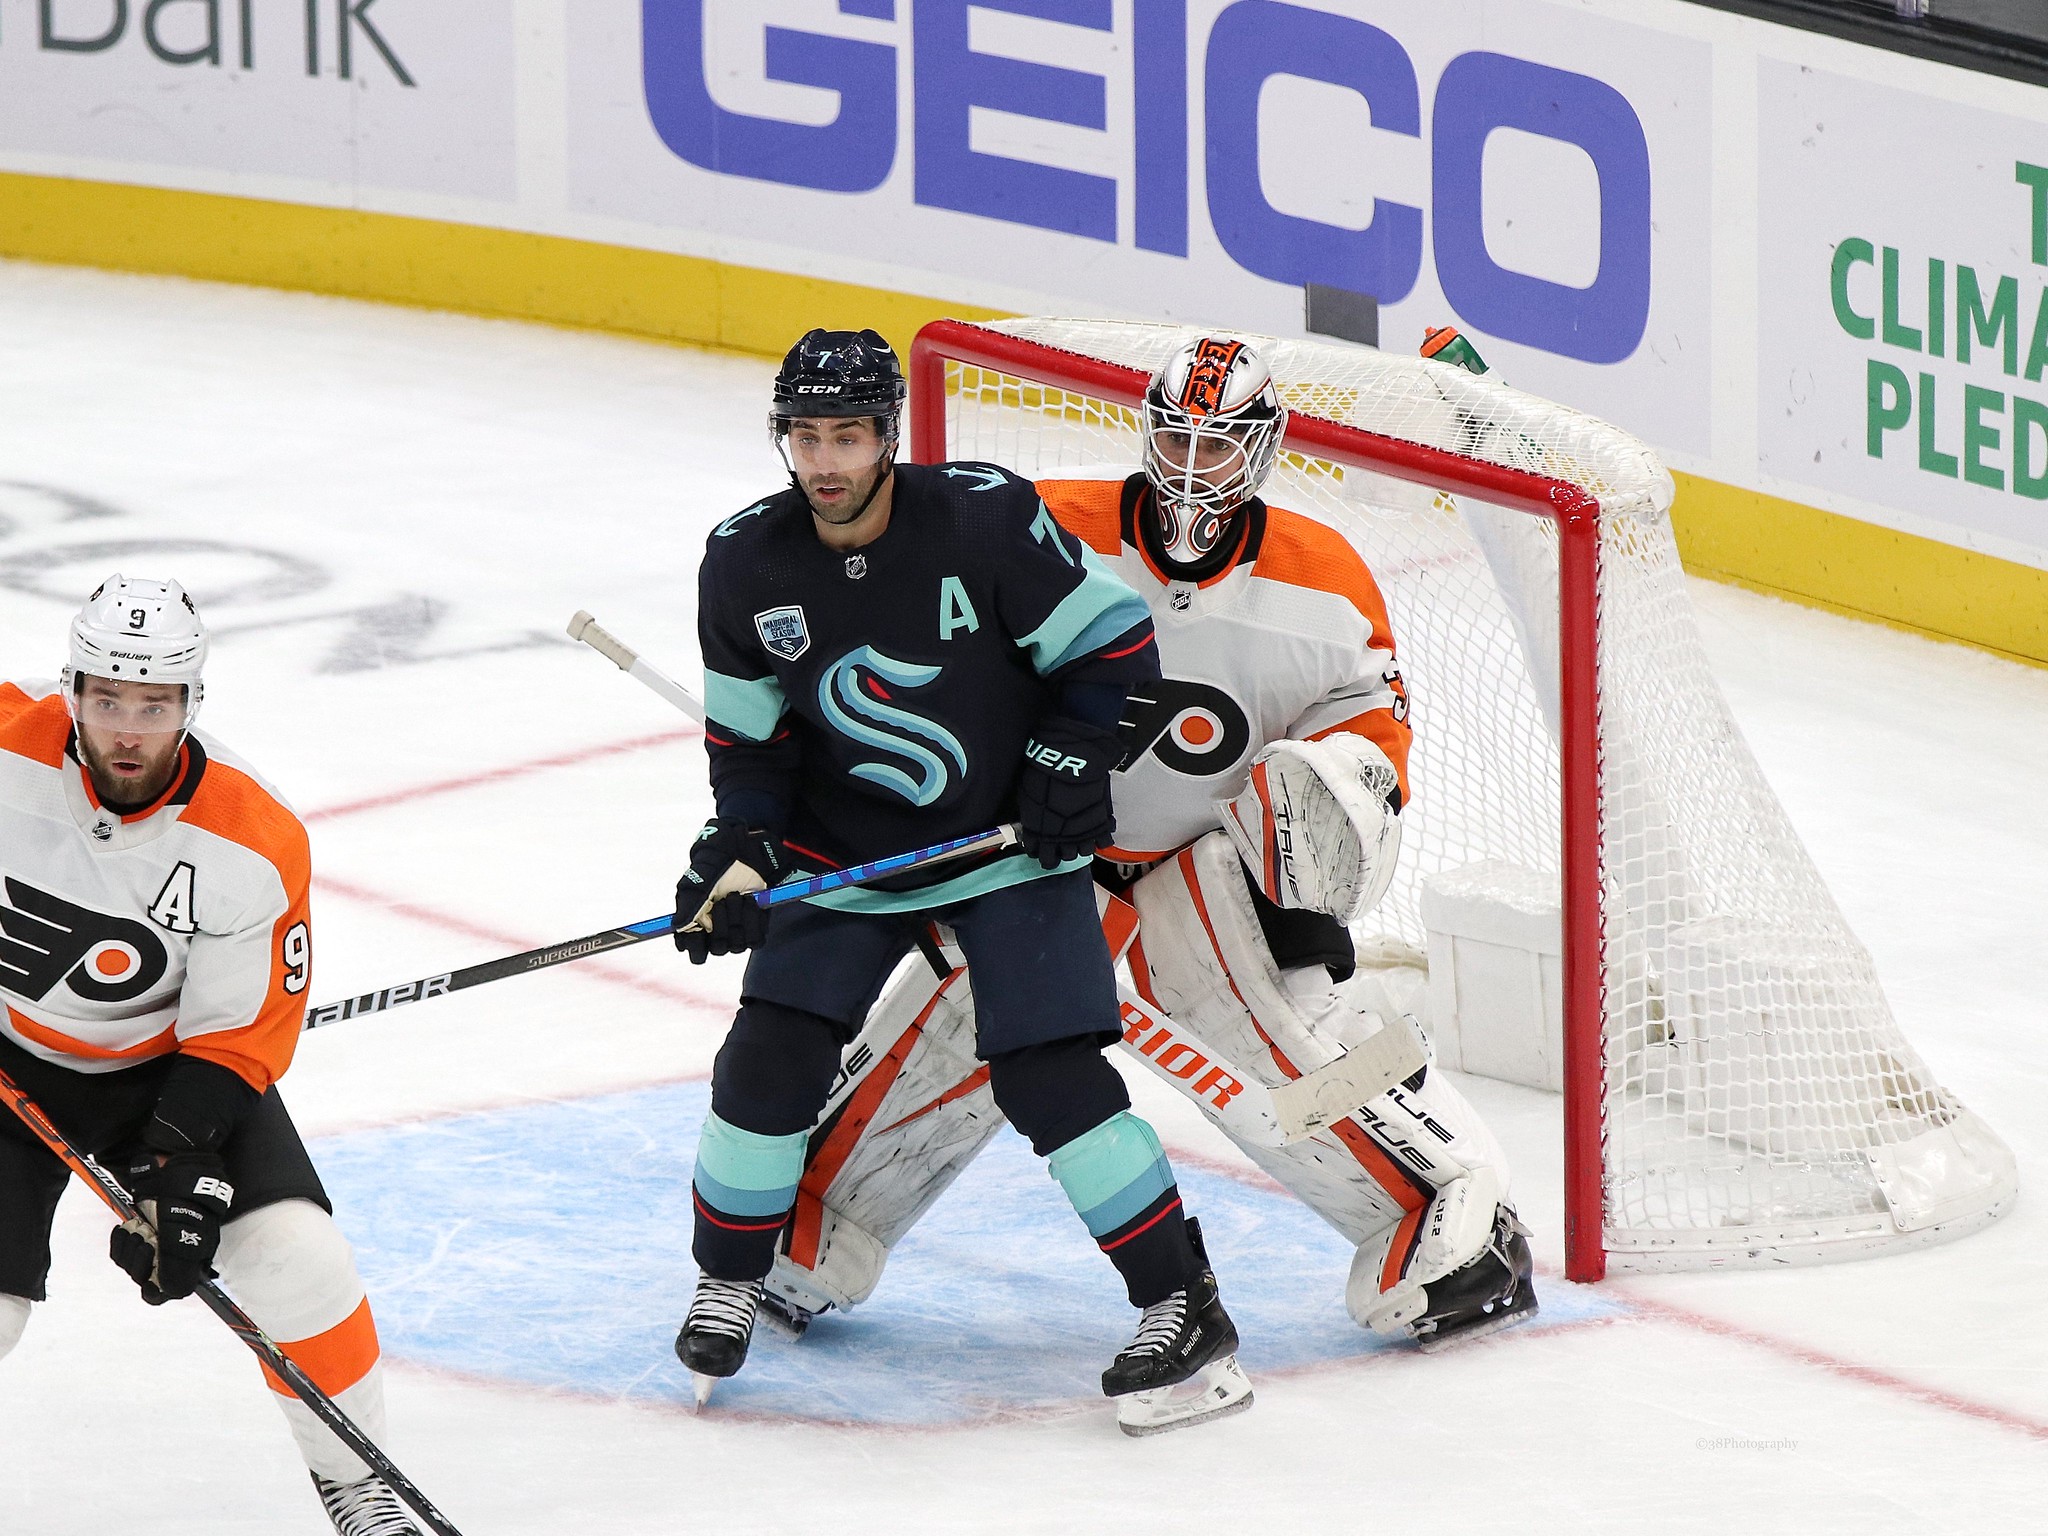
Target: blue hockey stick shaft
[[418, 991]]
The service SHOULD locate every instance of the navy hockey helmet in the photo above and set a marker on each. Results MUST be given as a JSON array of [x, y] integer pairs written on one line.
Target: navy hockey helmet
[[839, 373]]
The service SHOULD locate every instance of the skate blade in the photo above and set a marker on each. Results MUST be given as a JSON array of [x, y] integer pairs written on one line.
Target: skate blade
[[1216, 1390], [787, 1316], [1437, 1344], [703, 1386]]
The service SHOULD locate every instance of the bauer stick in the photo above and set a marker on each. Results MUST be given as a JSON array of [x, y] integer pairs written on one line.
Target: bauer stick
[[239, 1322], [649, 928], [1269, 1117]]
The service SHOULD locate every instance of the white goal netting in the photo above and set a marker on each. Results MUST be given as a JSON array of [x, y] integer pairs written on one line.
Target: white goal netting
[[1758, 1104]]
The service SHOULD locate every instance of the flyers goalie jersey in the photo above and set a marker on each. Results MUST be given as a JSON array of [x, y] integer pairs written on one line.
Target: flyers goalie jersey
[[180, 927], [1287, 638]]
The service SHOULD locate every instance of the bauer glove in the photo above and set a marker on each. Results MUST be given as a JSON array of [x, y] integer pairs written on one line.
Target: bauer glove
[[192, 1198], [1063, 808], [716, 913]]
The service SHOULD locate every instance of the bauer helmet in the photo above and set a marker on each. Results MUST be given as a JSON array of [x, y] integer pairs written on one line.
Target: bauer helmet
[[138, 631], [1213, 422]]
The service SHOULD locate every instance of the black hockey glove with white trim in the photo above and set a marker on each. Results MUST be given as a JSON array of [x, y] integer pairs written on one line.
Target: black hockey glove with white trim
[[192, 1199], [716, 913], [1063, 808]]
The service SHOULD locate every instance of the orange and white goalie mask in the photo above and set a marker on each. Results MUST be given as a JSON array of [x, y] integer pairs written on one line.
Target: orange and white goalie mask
[[1213, 423]]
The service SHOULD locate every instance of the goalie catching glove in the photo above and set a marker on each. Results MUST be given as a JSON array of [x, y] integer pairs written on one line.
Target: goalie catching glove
[[716, 913], [1063, 807], [1318, 824]]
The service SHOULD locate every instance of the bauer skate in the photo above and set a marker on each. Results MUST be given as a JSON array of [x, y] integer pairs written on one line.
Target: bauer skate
[[714, 1338], [1491, 1292], [1181, 1366], [363, 1508]]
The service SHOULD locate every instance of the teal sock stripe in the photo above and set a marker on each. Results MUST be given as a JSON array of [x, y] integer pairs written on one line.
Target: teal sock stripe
[[1113, 1172], [743, 1174]]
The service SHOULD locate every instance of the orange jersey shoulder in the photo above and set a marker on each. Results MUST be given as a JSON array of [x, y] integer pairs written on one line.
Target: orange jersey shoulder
[[235, 805], [34, 728], [1088, 509], [1305, 553]]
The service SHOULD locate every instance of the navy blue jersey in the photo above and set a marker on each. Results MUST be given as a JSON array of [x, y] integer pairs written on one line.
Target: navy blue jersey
[[881, 698]]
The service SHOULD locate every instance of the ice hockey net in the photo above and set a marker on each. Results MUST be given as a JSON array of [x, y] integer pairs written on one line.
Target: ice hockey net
[[1736, 1090]]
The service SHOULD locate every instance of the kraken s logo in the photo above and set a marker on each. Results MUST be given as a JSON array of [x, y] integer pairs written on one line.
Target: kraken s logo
[[44, 939], [1192, 728], [853, 691]]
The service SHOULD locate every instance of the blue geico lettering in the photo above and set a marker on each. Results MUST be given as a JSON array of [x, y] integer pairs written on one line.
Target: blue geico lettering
[[1250, 42]]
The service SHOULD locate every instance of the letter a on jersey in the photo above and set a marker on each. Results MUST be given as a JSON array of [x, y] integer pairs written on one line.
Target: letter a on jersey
[[172, 908], [955, 611]]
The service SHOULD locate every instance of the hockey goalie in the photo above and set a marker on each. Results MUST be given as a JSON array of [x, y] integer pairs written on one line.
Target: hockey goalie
[[1258, 817]]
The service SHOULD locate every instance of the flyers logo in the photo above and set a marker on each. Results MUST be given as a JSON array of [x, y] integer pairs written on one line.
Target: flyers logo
[[1202, 395], [1192, 728], [45, 940]]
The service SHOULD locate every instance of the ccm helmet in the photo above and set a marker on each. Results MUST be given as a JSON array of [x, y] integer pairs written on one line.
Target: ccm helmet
[[138, 631], [1213, 423], [839, 373]]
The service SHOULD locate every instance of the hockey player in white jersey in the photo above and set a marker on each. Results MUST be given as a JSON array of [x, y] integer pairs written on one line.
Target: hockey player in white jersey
[[1258, 816], [155, 949]]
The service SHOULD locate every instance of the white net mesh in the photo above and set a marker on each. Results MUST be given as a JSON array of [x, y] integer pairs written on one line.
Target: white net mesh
[[1759, 1102]]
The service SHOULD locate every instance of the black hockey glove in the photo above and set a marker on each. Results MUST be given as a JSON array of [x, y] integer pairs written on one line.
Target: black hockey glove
[[1063, 808], [735, 920], [193, 1197]]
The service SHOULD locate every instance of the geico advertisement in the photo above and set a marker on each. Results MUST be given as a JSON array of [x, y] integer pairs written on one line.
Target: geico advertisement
[[1903, 298], [413, 95], [1532, 172]]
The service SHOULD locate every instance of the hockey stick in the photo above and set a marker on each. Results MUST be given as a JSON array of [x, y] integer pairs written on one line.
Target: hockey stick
[[239, 1322], [601, 640], [1270, 1117], [441, 985]]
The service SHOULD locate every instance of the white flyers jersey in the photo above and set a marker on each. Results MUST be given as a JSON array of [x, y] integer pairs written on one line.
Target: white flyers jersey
[[179, 927], [1289, 639]]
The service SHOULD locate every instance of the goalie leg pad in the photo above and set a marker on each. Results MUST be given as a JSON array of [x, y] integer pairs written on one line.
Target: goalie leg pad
[[293, 1271], [1316, 824], [911, 1108], [13, 1319]]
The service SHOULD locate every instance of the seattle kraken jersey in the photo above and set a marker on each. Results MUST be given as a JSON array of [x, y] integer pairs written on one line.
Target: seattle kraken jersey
[[885, 695]]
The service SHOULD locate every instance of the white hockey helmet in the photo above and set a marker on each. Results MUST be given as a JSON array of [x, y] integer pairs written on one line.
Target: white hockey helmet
[[138, 631], [1213, 423]]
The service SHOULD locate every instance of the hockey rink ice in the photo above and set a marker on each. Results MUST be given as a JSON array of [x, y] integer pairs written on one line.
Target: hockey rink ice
[[387, 517]]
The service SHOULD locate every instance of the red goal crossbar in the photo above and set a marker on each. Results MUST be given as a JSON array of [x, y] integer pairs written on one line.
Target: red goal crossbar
[[1576, 515]]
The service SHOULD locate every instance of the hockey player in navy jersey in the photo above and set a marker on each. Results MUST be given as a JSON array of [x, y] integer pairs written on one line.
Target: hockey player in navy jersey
[[896, 655]]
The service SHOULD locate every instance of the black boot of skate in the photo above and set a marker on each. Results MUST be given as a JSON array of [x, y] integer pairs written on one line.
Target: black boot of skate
[[363, 1508], [714, 1338], [1488, 1294], [1181, 1366]]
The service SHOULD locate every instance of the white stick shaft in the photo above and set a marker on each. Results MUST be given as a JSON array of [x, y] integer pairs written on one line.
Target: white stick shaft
[[601, 640]]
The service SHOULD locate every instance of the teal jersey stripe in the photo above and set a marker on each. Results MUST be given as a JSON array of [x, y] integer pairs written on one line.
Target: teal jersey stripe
[[748, 705], [1113, 1172], [745, 1174], [1088, 618], [1011, 869]]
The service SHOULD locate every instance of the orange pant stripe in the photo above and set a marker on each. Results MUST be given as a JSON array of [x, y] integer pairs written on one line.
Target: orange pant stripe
[[336, 1359]]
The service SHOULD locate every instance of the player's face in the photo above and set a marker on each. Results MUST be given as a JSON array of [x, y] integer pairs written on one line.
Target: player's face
[[837, 462], [128, 737], [1214, 456]]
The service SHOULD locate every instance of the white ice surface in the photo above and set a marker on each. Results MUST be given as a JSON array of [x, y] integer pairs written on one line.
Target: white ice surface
[[369, 494]]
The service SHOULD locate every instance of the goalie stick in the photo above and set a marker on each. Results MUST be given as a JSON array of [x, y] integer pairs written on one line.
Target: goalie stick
[[1269, 1117], [239, 1322]]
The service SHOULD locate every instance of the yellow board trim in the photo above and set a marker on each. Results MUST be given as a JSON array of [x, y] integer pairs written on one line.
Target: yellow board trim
[[442, 265], [1825, 560], [1724, 533]]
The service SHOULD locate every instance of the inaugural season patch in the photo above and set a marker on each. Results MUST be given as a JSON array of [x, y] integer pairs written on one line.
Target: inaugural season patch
[[782, 631]]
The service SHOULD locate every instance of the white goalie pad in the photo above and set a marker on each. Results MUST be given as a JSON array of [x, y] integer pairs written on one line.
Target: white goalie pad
[[1315, 824], [911, 1108], [1378, 1175]]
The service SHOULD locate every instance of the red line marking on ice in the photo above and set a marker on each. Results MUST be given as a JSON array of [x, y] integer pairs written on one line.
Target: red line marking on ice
[[499, 775], [1835, 1365], [596, 967]]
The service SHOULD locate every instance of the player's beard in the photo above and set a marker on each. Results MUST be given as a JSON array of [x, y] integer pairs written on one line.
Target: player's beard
[[129, 792], [860, 492]]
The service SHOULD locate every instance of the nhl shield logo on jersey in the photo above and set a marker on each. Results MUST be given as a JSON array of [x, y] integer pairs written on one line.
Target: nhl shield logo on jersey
[[783, 631]]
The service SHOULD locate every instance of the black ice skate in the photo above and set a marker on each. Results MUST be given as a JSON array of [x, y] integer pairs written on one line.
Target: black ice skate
[[1491, 1292], [365, 1508], [714, 1338], [1181, 1366]]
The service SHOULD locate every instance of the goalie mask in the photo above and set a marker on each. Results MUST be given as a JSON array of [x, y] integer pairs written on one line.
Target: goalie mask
[[143, 637], [1213, 423]]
